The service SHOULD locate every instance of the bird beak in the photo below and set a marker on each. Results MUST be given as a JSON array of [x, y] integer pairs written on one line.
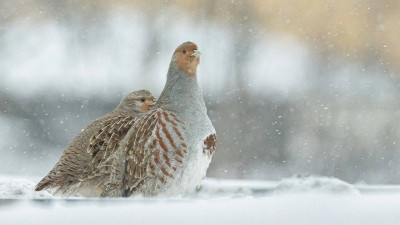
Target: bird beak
[[196, 53]]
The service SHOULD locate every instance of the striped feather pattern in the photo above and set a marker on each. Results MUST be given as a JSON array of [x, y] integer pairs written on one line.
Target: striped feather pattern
[[92, 163], [103, 145], [155, 149]]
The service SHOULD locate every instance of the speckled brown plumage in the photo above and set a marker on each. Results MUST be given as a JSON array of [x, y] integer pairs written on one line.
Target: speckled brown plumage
[[87, 163], [163, 152]]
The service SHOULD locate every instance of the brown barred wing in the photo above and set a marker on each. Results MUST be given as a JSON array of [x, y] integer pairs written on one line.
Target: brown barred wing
[[155, 148], [74, 160], [103, 145]]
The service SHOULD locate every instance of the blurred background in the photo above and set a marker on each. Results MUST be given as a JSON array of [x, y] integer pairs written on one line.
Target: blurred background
[[292, 87]]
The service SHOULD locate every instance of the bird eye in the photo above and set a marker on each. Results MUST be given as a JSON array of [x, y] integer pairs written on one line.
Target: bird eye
[[142, 99], [184, 51]]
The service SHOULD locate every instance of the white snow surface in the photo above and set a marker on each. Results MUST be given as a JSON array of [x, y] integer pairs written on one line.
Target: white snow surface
[[296, 200], [21, 189], [315, 184]]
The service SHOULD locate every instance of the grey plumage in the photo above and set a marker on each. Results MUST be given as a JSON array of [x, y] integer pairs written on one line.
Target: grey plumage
[[168, 150]]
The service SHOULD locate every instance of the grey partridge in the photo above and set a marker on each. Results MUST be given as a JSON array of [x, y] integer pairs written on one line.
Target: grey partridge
[[85, 166], [168, 150]]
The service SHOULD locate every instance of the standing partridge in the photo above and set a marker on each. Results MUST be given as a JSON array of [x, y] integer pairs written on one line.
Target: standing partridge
[[85, 166], [168, 150]]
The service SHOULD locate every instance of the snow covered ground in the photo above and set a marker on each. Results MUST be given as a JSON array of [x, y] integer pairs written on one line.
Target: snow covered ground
[[296, 200]]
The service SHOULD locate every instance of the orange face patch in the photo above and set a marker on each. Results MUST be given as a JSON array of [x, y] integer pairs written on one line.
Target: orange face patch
[[145, 105], [184, 59]]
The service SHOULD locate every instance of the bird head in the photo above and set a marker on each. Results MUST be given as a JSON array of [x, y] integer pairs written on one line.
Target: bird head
[[187, 57], [137, 101]]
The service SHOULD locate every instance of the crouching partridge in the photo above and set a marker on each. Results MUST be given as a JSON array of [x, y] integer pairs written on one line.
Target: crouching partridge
[[86, 164], [168, 150]]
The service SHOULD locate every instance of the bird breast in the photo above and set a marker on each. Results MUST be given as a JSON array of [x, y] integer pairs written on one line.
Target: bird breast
[[176, 160]]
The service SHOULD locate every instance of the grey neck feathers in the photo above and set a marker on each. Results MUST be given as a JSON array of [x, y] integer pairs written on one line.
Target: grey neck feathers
[[182, 94]]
